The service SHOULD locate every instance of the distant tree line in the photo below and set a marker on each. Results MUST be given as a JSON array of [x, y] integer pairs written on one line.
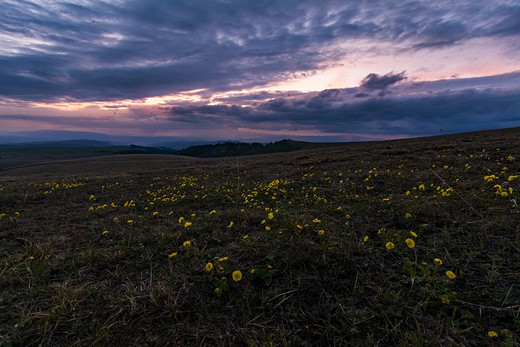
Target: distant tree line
[[231, 149]]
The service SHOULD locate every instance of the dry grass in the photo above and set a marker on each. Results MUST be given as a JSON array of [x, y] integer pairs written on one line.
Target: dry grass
[[65, 282]]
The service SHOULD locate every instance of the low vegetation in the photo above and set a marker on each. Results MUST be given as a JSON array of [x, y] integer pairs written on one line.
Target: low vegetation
[[412, 242]]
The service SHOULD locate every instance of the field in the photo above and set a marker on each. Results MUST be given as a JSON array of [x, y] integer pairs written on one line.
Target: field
[[409, 242]]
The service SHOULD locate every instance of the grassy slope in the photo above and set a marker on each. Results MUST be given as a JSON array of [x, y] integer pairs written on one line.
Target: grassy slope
[[63, 281], [29, 154]]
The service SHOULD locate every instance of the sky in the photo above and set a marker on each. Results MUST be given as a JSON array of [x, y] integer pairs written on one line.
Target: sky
[[259, 70]]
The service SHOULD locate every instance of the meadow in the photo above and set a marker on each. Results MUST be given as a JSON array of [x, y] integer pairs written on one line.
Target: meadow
[[407, 242]]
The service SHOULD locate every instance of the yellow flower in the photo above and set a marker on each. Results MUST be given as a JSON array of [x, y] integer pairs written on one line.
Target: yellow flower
[[230, 225], [410, 243], [365, 239], [171, 255], [155, 213], [437, 261], [505, 333], [253, 271], [267, 228], [389, 245], [321, 232], [450, 275], [223, 259], [193, 215], [181, 220], [492, 334], [237, 275], [116, 219], [413, 233], [316, 220], [218, 291], [212, 212], [245, 237], [270, 215], [31, 258], [299, 226], [186, 244], [187, 224], [209, 267], [408, 215], [104, 232], [347, 216], [129, 221]]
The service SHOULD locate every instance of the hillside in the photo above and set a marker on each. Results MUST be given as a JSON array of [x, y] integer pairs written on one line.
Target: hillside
[[406, 242], [32, 153]]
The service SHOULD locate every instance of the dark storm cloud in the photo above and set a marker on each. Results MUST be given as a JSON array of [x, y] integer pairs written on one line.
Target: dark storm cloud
[[377, 82], [95, 50], [442, 111]]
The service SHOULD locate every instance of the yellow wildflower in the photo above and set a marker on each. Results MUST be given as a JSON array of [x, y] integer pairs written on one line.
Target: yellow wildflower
[[267, 228], [450, 275], [245, 237], [218, 291], [413, 233], [365, 239], [212, 212], [492, 334], [223, 259], [321, 232], [270, 215], [389, 245], [437, 261], [408, 215], [181, 220], [316, 220], [155, 213], [104, 232], [209, 267], [172, 255], [129, 221], [410, 243], [237, 275], [31, 258], [187, 224], [230, 225], [186, 244]]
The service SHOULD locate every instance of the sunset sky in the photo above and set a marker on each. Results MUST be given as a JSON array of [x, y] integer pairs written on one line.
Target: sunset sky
[[259, 70]]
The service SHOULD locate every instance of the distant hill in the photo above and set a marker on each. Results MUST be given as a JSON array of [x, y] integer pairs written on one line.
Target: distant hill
[[231, 149], [64, 143], [32, 153]]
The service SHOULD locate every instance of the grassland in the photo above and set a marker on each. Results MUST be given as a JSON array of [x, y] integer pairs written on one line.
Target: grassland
[[412, 242]]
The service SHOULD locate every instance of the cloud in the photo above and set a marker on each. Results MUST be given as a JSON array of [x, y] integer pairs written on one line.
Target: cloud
[[413, 109], [377, 82], [108, 50]]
